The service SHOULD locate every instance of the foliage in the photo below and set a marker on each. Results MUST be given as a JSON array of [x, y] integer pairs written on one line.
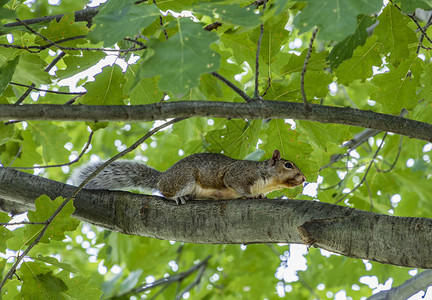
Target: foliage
[[383, 69]]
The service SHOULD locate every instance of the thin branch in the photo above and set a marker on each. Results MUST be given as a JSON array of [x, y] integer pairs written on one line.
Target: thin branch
[[166, 280], [38, 34], [367, 171], [23, 223], [303, 73], [370, 196], [195, 282], [429, 22], [232, 86], [46, 91], [55, 61], [161, 23], [85, 15], [26, 93], [213, 26], [407, 289], [415, 21], [256, 93], [396, 159], [268, 86], [87, 145], [77, 190]]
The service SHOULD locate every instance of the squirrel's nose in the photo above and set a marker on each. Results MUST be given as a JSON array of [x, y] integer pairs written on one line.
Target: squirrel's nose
[[303, 178]]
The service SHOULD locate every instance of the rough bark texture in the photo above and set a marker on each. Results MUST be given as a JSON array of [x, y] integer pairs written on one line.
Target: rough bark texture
[[252, 110], [351, 232]]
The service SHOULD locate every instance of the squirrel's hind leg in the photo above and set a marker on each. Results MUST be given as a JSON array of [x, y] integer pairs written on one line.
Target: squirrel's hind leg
[[180, 190]]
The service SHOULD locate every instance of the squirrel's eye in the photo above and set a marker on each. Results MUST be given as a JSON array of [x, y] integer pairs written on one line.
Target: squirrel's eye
[[288, 165]]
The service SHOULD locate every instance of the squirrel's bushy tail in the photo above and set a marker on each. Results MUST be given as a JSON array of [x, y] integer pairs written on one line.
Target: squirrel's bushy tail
[[121, 174]]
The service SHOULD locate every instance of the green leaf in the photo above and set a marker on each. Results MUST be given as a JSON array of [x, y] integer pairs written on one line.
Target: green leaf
[[79, 287], [145, 91], [121, 18], [54, 262], [79, 63], [63, 29], [6, 73], [30, 69], [6, 13], [39, 282], [5, 233], [274, 37], [187, 53], [107, 89], [344, 49], [409, 6], [394, 34], [236, 140], [6, 133], [336, 19], [396, 89], [45, 207], [228, 13], [52, 138], [320, 135], [361, 63]]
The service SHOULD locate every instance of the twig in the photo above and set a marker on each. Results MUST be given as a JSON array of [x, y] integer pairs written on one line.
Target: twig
[[46, 91], [256, 92], [71, 100], [166, 280], [232, 86], [38, 34], [87, 145], [55, 61], [23, 96], [195, 282], [71, 48], [367, 171], [415, 21], [305, 66], [423, 34], [212, 26], [80, 16], [161, 23], [370, 196], [396, 159], [268, 86], [78, 189], [23, 223]]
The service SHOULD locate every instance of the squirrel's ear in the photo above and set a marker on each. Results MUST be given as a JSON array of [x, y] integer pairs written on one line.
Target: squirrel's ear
[[276, 156]]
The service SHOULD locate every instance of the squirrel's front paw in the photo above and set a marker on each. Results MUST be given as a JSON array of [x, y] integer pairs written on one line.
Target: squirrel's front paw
[[182, 199], [260, 196]]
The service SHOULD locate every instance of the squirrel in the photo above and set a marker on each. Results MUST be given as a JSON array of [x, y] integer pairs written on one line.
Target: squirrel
[[198, 176]]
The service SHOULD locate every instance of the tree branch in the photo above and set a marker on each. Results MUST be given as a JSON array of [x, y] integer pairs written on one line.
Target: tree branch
[[339, 229], [217, 109], [408, 288], [85, 15]]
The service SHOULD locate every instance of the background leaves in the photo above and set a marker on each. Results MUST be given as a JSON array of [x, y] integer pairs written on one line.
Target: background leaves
[[354, 62]]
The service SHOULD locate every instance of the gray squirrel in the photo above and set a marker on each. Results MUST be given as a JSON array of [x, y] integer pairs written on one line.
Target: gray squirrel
[[198, 176]]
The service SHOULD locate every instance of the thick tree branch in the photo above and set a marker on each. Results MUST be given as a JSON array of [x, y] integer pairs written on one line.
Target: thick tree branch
[[216, 109], [348, 231]]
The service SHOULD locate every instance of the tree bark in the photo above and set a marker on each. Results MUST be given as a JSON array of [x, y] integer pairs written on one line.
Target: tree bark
[[216, 109], [348, 231]]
